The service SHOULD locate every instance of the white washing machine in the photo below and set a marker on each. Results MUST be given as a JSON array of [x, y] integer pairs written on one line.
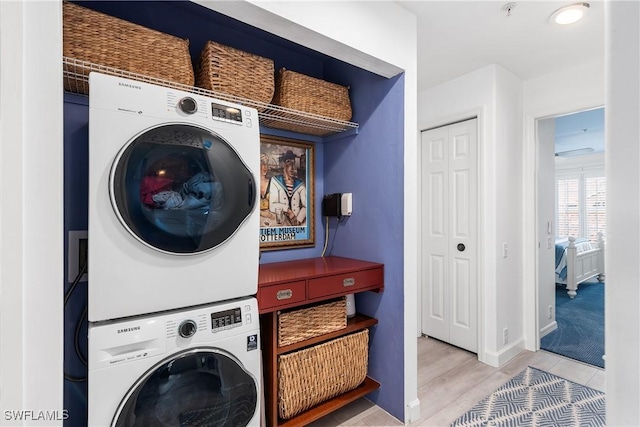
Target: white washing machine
[[195, 367], [172, 199]]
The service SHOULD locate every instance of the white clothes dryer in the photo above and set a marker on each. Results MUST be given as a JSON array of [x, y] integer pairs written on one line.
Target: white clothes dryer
[[173, 221], [195, 367]]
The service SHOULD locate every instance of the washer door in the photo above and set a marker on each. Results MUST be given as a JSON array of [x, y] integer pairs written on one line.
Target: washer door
[[181, 189], [202, 387]]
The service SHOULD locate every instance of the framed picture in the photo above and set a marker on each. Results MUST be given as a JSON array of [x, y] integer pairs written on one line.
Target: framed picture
[[287, 194]]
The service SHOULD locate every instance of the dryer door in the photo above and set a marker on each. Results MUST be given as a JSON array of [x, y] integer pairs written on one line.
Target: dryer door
[[181, 189], [201, 387]]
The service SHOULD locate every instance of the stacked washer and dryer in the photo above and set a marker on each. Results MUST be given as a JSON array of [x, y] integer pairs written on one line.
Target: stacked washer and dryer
[[174, 336]]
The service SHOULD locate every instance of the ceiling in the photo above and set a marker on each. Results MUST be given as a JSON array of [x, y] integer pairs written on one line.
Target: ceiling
[[457, 37], [579, 131]]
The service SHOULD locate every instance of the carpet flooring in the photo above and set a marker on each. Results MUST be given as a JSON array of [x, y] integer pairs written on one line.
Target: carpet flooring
[[580, 333], [538, 398]]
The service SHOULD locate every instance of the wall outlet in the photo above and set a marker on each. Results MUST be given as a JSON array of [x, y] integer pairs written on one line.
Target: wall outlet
[[77, 255], [505, 250], [550, 312], [505, 335]]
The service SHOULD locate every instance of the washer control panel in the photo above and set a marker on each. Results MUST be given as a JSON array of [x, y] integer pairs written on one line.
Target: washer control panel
[[227, 319]]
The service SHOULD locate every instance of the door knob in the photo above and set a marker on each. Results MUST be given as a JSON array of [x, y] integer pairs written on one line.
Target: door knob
[[461, 247]]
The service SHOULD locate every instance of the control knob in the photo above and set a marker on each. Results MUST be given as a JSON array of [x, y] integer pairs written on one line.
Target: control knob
[[188, 105], [187, 328]]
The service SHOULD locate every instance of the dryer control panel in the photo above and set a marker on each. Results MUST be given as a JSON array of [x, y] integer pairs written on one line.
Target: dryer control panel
[[226, 113]]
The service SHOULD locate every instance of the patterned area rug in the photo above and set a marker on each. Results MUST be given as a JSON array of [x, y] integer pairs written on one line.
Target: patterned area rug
[[538, 398]]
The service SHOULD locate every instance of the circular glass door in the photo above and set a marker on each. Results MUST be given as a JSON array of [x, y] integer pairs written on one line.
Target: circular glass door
[[181, 189], [202, 387]]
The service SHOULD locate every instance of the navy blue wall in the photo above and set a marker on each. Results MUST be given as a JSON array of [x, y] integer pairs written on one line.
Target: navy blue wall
[[371, 167], [76, 208], [368, 163]]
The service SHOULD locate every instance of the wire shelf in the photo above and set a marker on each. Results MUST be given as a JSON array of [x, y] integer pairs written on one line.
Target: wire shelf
[[76, 80]]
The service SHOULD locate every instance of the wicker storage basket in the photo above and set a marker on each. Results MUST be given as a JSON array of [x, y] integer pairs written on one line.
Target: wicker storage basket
[[228, 70], [299, 325], [311, 95], [105, 40], [315, 374]]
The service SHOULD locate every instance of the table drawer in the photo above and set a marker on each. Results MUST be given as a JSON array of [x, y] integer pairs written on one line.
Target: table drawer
[[346, 282], [281, 294]]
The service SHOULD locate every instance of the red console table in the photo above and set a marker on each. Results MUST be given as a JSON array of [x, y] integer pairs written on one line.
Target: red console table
[[296, 283]]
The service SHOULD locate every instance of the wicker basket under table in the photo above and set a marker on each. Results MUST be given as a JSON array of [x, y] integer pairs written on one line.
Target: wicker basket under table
[[101, 39], [313, 375], [305, 323], [235, 72]]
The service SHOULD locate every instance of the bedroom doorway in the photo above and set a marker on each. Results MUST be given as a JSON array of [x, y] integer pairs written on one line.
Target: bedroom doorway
[[571, 202]]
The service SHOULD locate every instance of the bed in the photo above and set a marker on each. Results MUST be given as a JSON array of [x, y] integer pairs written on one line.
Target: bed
[[578, 260]]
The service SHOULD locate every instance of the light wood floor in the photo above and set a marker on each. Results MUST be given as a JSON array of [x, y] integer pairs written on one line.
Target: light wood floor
[[451, 381]]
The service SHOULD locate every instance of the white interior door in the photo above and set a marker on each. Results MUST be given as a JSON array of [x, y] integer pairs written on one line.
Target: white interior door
[[449, 234]]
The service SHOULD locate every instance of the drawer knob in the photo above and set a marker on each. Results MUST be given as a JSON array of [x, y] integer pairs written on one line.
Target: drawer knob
[[284, 294], [349, 281]]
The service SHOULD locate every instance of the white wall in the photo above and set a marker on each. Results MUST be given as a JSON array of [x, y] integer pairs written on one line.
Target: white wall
[[567, 91], [494, 95], [546, 190], [31, 213], [622, 154], [344, 30], [377, 36], [508, 168]]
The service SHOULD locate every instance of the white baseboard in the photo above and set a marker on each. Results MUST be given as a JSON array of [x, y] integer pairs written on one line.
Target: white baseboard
[[498, 359], [548, 329], [412, 412]]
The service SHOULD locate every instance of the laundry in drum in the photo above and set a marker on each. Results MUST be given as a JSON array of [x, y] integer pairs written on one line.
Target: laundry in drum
[[168, 185], [196, 193]]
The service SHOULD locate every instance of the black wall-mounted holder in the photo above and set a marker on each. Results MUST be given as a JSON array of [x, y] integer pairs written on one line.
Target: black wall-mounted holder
[[331, 205]]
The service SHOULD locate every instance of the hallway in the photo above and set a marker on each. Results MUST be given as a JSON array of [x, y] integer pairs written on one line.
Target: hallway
[[451, 381]]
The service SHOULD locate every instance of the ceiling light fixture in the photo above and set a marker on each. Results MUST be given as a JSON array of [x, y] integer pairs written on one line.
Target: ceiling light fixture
[[577, 152], [570, 14]]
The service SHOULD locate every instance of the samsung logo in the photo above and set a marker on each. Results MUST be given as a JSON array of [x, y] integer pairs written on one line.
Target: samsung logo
[[129, 85], [131, 329]]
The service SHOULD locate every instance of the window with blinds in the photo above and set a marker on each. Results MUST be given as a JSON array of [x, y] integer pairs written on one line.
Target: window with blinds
[[594, 206], [568, 206], [581, 204]]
